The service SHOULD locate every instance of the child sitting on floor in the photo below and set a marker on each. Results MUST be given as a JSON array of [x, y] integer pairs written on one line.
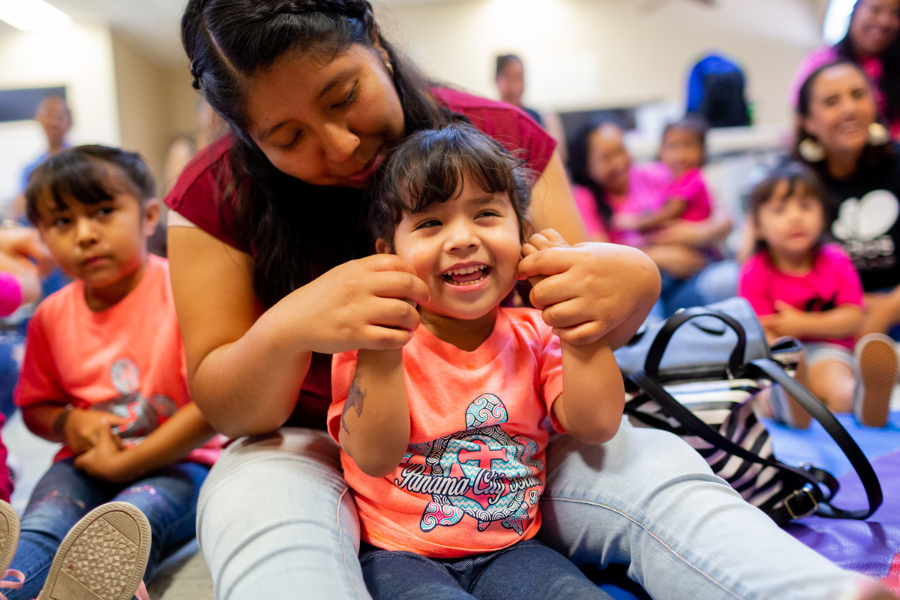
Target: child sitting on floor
[[104, 374], [803, 288], [443, 441]]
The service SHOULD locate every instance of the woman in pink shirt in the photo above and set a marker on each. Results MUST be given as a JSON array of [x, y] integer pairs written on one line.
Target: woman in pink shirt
[[610, 191], [873, 43]]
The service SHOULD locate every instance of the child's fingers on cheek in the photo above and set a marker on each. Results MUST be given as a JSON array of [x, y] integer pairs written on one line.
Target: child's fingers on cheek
[[528, 249], [552, 236]]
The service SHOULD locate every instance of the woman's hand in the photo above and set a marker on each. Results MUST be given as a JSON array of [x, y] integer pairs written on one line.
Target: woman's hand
[[367, 303], [588, 291]]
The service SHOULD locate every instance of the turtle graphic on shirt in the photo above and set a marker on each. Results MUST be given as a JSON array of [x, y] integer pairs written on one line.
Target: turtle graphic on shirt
[[482, 472], [144, 414]]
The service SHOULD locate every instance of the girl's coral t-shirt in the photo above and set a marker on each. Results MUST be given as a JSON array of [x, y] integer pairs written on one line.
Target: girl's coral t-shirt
[[474, 470], [128, 359]]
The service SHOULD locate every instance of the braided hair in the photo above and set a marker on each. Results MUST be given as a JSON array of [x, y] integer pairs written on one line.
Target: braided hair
[[295, 230]]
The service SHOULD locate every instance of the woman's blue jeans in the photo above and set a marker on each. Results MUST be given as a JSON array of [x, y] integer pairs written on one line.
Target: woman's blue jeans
[[717, 281], [168, 497], [276, 520]]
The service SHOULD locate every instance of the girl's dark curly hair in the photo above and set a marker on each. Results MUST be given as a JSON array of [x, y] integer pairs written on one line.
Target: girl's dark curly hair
[[429, 168]]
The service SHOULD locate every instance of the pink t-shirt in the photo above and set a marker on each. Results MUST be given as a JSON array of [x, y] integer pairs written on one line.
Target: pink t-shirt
[[10, 293], [646, 187], [127, 359], [691, 188], [590, 214], [832, 282], [474, 470]]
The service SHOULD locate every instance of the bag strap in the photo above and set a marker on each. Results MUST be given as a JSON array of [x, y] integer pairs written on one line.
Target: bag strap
[[802, 502], [837, 432], [664, 335]]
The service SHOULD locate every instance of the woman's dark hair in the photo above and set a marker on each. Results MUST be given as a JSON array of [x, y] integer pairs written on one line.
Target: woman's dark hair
[[579, 150], [429, 168], [796, 174], [691, 124], [504, 61], [295, 230], [83, 174], [873, 157], [890, 60]]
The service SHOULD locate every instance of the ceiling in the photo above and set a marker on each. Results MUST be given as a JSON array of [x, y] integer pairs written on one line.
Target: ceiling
[[153, 25]]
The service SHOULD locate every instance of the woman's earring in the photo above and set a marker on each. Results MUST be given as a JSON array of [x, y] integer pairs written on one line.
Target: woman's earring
[[878, 135], [811, 151], [390, 67]]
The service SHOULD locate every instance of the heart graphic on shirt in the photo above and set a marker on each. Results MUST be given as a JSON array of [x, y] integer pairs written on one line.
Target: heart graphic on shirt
[[866, 219]]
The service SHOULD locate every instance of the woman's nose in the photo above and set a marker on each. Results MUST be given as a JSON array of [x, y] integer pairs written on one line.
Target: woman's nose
[[339, 143]]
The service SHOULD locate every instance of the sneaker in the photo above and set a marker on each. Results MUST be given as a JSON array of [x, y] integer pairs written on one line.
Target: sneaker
[[877, 358], [103, 557], [9, 539], [785, 409]]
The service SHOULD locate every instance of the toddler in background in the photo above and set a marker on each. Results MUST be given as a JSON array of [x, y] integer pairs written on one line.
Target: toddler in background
[[443, 442], [804, 288], [104, 374], [682, 152]]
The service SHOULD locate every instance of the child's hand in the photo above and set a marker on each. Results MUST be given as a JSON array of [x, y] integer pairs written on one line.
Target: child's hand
[[581, 293], [787, 321], [84, 428], [108, 459], [548, 238]]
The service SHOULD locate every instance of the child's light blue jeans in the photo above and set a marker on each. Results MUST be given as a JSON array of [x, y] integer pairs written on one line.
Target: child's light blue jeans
[[276, 520], [65, 494]]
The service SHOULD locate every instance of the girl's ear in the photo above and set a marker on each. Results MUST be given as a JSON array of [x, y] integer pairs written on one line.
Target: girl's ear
[[152, 211], [382, 247]]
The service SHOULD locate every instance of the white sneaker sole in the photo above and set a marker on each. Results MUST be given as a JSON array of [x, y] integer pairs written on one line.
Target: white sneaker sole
[[103, 557], [9, 535], [878, 370]]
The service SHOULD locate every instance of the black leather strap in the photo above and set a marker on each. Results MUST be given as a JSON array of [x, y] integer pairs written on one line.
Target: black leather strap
[[847, 444], [661, 342]]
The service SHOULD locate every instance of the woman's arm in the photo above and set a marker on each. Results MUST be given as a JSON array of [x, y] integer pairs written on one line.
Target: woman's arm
[[625, 278], [375, 420], [246, 365], [695, 233]]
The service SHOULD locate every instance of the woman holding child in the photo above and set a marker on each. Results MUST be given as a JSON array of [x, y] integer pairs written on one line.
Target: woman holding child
[[646, 206], [271, 271]]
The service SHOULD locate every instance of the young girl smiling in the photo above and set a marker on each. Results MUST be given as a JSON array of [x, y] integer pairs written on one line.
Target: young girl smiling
[[443, 440]]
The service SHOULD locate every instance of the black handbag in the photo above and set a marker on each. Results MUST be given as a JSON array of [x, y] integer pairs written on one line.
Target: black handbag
[[695, 375]]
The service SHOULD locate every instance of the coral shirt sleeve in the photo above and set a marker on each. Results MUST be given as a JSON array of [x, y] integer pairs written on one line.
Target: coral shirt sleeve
[[39, 380]]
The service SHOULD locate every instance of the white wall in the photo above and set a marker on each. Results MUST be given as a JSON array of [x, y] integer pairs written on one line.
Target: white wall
[[582, 54], [80, 58]]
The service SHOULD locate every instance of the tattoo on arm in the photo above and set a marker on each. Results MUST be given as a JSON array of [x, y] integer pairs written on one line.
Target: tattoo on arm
[[355, 399]]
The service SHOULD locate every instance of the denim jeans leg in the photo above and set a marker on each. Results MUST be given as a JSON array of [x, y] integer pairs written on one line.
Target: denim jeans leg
[[530, 570], [405, 575], [62, 496], [276, 520], [647, 500], [11, 348], [168, 498]]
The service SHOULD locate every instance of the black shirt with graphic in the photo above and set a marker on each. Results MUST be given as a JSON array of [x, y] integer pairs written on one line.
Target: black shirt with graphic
[[867, 222]]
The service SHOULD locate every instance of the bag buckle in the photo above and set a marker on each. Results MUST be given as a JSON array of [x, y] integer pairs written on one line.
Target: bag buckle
[[795, 494]]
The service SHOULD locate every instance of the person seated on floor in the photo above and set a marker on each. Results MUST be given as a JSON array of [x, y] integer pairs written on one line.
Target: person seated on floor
[[805, 288], [104, 369]]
